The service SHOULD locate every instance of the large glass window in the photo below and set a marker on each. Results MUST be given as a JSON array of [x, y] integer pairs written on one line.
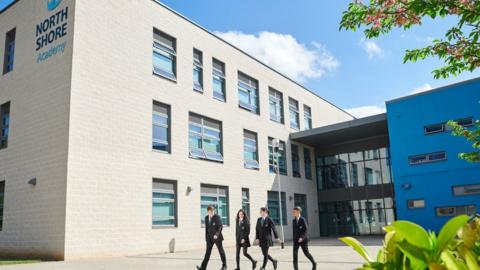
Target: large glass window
[[307, 159], [4, 125], [279, 155], [248, 93], [275, 100], [450, 211], [362, 217], [9, 54], [250, 150], [294, 113], [246, 201], [354, 169], [205, 138], [164, 203], [273, 205], [197, 70], [161, 127], [164, 55], [219, 80], [295, 161], [301, 201], [307, 117], [217, 196], [2, 199]]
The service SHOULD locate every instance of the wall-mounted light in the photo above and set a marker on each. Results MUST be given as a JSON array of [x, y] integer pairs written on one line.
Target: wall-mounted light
[[32, 181], [290, 198], [407, 186], [189, 190]]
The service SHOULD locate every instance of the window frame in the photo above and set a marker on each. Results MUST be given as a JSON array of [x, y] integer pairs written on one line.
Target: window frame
[[412, 206], [295, 155], [218, 195], [167, 126], [295, 110], [175, 201], [198, 66], [282, 205], [307, 117], [246, 201], [476, 190], [205, 154], [455, 210], [162, 49], [9, 51], [271, 157], [427, 158], [220, 76], [275, 98], [252, 90], [307, 160], [250, 164], [5, 119]]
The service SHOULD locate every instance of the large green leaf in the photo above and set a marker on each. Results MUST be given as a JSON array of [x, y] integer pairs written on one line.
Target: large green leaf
[[451, 262], [449, 231], [416, 256], [357, 246], [413, 233]]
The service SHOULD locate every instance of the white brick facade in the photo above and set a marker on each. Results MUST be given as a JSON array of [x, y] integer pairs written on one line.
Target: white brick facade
[[81, 124]]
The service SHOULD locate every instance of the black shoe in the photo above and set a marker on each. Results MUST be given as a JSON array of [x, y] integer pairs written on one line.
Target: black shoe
[[254, 265], [314, 266], [199, 268], [275, 263], [236, 269], [223, 267]]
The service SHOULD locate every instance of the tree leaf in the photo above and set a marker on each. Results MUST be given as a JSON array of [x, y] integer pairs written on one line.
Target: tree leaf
[[357, 246], [413, 233], [449, 231]]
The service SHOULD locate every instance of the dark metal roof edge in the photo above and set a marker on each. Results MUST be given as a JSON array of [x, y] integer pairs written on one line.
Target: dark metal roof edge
[[9, 6], [342, 125], [437, 89], [245, 53]]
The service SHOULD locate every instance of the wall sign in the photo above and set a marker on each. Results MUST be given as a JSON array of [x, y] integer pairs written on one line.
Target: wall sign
[[52, 29]]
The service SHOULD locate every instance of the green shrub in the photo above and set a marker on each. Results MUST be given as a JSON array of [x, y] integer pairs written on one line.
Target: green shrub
[[409, 246]]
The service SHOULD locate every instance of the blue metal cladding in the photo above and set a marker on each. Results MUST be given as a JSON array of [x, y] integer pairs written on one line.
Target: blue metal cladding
[[432, 182]]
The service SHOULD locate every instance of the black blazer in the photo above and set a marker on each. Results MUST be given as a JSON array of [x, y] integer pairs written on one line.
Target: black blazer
[[243, 232], [213, 228], [300, 229], [264, 232]]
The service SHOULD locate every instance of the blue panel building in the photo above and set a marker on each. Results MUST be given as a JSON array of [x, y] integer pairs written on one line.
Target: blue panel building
[[431, 183]]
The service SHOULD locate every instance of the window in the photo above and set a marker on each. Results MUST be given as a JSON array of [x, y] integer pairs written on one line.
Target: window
[[294, 114], [413, 204], [246, 201], [301, 200], [295, 161], [248, 93], [466, 190], [280, 155], [451, 211], [307, 116], [164, 55], [216, 196], [161, 127], [441, 127], [431, 129], [164, 203], [2, 199], [273, 205], [205, 138], [308, 163], [197, 70], [9, 54], [250, 150], [219, 80], [427, 158], [5, 124], [276, 105]]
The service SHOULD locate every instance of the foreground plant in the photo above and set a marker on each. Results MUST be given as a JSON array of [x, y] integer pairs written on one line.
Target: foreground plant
[[409, 246]]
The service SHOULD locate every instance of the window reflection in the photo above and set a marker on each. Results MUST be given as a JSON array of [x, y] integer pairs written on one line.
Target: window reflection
[[371, 167]]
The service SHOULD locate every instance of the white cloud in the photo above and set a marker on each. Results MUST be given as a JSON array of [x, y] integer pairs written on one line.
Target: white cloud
[[365, 111], [422, 88], [284, 53], [372, 49]]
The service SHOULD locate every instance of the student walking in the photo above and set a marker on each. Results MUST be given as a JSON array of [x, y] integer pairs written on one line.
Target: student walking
[[243, 238], [264, 229], [300, 238], [213, 236]]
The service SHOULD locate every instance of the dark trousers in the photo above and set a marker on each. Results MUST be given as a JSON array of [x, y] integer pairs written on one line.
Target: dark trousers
[[208, 252], [266, 256], [304, 247], [245, 253]]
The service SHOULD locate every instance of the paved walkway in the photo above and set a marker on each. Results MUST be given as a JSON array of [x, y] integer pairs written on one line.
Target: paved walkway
[[329, 253]]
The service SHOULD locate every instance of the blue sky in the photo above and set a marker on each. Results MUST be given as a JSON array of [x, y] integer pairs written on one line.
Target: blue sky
[[303, 41]]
